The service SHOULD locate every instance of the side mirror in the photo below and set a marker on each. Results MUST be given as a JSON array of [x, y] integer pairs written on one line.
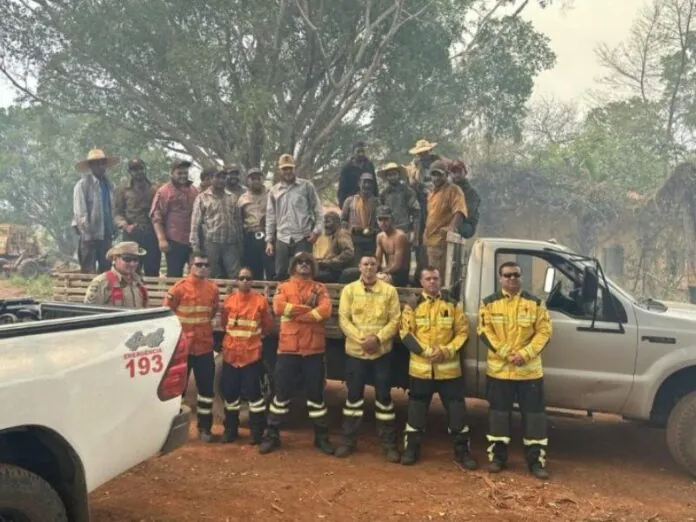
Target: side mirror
[[549, 279], [589, 285]]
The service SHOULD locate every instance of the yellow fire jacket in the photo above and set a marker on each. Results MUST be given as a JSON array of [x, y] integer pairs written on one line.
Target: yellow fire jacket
[[514, 324], [434, 322], [366, 311]]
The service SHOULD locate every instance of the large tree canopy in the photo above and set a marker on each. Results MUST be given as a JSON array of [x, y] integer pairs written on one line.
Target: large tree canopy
[[246, 80]]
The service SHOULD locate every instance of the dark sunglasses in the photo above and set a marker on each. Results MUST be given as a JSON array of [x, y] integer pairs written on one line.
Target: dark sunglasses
[[304, 262], [130, 259], [245, 278], [201, 265], [512, 275]]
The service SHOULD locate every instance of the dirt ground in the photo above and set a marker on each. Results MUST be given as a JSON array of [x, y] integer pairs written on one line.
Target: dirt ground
[[602, 469]]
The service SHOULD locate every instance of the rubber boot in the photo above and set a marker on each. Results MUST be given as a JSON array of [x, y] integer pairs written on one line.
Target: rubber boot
[[321, 440], [271, 441], [386, 431], [257, 423], [349, 440], [462, 453], [231, 427], [412, 444]]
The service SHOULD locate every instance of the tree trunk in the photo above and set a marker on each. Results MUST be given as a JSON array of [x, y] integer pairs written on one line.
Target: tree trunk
[[689, 221]]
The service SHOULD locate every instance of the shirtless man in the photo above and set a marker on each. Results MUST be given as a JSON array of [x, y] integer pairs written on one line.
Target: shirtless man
[[394, 246]]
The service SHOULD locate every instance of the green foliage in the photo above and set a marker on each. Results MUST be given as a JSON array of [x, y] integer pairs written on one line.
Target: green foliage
[[39, 288], [245, 81], [37, 165]]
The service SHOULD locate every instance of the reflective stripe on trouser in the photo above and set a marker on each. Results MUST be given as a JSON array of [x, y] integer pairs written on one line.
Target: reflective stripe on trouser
[[203, 367], [287, 368], [535, 440], [352, 419], [238, 382], [498, 435]]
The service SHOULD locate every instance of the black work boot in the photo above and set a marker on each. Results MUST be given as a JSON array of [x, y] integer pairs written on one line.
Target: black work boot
[[461, 451], [386, 432], [496, 466], [497, 456], [411, 453], [346, 449], [270, 442], [321, 440], [349, 443], [231, 427], [257, 423]]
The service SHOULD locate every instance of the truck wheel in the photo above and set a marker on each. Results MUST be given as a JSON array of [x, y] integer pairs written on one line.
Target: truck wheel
[[28, 269], [681, 433], [26, 497]]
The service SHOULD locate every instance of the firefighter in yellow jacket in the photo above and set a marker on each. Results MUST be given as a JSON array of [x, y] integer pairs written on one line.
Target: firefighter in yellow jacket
[[434, 329], [516, 327], [368, 315]]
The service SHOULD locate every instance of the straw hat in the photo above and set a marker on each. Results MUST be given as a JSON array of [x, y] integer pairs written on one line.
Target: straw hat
[[392, 166], [422, 146], [285, 161], [96, 155], [125, 248]]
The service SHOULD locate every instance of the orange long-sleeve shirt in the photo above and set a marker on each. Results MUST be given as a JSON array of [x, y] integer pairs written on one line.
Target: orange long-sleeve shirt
[[301, 321], [195, 302], [246, 318]]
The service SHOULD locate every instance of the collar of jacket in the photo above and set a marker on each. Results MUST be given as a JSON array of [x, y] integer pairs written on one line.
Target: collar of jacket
[[198, 281], [509, 295]]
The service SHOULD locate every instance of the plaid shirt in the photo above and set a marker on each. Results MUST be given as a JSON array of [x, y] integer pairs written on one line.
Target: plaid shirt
[[216, 219]]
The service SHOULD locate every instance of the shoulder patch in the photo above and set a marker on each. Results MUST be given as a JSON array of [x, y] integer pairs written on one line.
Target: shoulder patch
[[530, 297], [493, 298]]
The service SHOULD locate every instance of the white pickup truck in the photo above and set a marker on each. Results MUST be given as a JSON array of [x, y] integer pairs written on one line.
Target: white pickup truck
[[86, 393]]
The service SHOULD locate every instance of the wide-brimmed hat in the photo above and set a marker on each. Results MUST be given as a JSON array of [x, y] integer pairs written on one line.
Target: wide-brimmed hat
[[300, 256], [422, 146], [391, 166], [285, 161], [96, 155], [125, 248]]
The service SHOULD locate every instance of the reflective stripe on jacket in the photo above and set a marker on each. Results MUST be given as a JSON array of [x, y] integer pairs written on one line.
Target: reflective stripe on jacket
[[435, 321], [514, 324], [245, 317], [303, 307], [195, 302], [364, 311]]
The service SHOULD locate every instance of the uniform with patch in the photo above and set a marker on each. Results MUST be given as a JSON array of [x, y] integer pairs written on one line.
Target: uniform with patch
[[515, 324], [112, 289], [435, 322]]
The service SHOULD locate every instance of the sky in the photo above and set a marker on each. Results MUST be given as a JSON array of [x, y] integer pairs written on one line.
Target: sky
[[574, 31]]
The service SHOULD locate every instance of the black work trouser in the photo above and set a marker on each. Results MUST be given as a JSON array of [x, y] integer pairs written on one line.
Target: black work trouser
[[239, 384], [451, 392], [287, 368], [92, 256], [177, 257], [358, 371], [502, 394], [203, 367], [262, 266], [147, 239], [284, 252]]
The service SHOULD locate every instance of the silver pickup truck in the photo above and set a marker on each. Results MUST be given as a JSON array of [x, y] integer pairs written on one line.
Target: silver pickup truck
[[609, 351]]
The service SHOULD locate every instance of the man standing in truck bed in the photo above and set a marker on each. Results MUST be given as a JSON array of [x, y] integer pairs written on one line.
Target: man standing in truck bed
[[195, 301], [516, 328], [294, 217], [120, 286]]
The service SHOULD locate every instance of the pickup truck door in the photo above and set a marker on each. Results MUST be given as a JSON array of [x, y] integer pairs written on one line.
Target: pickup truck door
[[585, 367]]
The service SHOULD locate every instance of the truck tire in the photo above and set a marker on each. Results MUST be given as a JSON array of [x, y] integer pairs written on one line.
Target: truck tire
[[26, 497], [681, 433], [29, 269]]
